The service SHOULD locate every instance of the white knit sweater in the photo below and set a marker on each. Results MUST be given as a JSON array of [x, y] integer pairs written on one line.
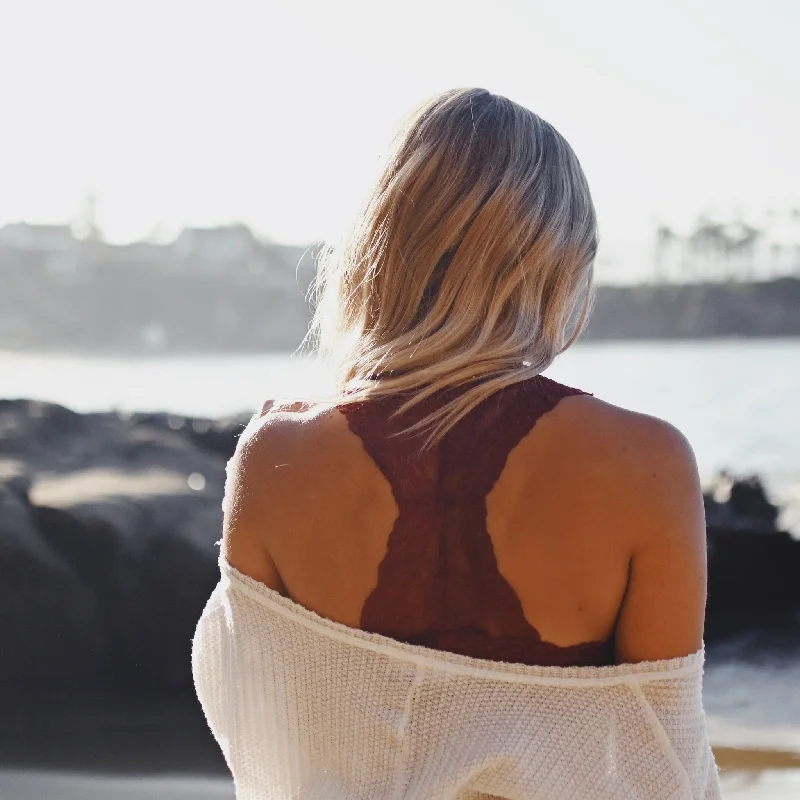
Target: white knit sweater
[[303, 707]]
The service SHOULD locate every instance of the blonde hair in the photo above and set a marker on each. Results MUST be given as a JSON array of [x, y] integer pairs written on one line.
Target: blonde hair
[[469, 266]]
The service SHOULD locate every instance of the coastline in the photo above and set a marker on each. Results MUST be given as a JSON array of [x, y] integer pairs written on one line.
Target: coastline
[[268, 309], [247, 349]]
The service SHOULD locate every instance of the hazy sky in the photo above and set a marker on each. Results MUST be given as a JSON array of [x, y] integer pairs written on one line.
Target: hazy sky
[[192, 112]]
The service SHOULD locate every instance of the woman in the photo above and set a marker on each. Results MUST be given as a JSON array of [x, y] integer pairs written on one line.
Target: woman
[[455, 578]]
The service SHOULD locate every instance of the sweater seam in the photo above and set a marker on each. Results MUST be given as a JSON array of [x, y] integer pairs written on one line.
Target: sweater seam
[[663, 738], [402, 768]]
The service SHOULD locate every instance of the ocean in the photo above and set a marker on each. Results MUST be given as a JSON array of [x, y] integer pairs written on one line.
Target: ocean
[[737, 401]]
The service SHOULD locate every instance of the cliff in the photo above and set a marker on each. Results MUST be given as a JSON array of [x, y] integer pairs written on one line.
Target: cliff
[[697, 311]]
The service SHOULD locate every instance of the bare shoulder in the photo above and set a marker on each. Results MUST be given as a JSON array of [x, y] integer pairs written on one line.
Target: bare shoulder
[[636, 439], [287, 438], [282, 459], [643, 457], [650, 490], [286, 419]]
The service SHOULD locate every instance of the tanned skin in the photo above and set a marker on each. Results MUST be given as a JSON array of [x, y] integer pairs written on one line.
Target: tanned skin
[[597, 523]]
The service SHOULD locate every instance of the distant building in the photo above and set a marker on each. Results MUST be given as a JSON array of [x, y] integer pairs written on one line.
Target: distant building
[[133, 255], [53, 247], [41, 238], [217, 250]]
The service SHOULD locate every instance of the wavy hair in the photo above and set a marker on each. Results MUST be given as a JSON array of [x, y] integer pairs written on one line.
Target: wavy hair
[[469, 266]]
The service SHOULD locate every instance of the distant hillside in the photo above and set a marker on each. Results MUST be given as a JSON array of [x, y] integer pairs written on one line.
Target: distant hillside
[[134, 307], [157, 305], [690, 311]]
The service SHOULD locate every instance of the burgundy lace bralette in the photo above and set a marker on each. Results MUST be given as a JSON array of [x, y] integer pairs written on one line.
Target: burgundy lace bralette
[[439, 584]]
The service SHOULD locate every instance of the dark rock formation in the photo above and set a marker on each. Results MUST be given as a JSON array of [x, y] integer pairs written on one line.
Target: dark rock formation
[[740, 504], [51, 625], [754, 568], [106, 551], [214, 436], [108, 527]]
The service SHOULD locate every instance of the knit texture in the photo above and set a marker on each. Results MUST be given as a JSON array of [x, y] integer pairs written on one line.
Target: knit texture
[[303, 707]]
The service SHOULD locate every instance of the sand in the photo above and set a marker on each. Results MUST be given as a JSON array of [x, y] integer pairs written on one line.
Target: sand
[[746, 775]]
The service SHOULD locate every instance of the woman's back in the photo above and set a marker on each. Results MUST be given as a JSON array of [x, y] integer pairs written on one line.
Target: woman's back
[[547, 527]]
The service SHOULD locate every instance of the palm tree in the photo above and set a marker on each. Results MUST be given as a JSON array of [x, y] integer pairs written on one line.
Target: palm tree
[[741, 241], [665, 239], [775, 254], [709, 248], [795, 217]]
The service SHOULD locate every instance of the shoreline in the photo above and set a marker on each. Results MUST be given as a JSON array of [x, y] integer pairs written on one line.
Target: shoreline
[[740, 759], [60, 350]]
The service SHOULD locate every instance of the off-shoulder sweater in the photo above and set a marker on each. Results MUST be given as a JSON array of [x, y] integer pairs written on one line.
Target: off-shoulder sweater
[[304, 707]]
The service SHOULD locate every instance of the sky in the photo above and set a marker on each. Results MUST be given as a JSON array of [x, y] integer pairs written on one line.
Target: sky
[[188, 112]]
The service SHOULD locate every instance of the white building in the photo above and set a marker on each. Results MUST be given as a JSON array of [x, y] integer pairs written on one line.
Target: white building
[[217, 249], [53, 246], [40, 238]]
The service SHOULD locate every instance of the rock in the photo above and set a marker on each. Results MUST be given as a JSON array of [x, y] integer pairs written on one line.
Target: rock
[[151, 562], [129, 512], [753, 568], [740, 503], [753, 581], [748, 499], [214, 436], [52, 629]]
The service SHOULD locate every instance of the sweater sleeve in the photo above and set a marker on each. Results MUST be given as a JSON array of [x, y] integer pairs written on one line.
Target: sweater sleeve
[[676, 709], [302, 706]]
